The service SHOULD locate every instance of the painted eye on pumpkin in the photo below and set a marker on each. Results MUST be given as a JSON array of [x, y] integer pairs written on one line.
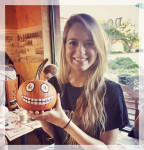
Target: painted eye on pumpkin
[[44, 88], [30, 87]]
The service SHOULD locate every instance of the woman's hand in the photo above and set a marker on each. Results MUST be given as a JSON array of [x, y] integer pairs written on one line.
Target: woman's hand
[[55, 116]]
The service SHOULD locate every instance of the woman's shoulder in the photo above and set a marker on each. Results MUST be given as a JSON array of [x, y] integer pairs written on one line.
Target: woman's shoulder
[[113, 90], [110, 83], [112, 86]]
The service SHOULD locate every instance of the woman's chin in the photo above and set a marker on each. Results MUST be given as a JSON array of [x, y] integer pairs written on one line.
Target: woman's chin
[[80, 69]]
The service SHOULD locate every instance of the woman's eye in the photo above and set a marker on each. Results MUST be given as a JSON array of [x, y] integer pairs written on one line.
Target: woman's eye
[[30, 87], [44, 88], [73, 43], [89, 44]]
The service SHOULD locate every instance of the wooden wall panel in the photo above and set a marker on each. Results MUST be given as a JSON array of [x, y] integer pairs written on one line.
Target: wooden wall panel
[[28, 16], [10, 17]]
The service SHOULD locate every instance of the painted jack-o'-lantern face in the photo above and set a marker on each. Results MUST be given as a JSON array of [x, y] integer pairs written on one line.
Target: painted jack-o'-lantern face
[[36, 95]]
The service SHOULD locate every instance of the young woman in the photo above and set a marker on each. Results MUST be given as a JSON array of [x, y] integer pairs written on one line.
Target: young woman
[[90, 109]]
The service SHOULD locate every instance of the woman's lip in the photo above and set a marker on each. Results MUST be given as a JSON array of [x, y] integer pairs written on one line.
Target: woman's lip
[[80, 59]]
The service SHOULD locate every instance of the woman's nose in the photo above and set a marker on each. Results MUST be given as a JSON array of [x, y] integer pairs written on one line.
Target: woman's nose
[[80, 49]]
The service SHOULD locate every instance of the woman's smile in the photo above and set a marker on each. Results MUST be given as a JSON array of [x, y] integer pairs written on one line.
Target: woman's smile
[[80, 60]]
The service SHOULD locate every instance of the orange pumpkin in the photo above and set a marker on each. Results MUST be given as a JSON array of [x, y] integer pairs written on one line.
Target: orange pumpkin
[[36, 95]]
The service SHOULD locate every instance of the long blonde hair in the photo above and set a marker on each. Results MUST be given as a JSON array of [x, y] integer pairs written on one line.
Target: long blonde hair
[[89, 113]]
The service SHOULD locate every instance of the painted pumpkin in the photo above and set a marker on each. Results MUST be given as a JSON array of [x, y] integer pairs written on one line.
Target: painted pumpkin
[[36, 95]]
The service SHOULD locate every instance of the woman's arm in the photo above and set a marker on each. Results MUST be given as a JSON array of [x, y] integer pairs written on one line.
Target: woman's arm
[[107, 138], [110, 137], [47, 127], [58, 117]]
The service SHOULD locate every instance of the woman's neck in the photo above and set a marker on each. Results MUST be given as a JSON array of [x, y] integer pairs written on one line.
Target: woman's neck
[[77, 78]]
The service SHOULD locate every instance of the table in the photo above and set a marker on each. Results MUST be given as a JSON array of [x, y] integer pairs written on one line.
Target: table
[[15, 129]]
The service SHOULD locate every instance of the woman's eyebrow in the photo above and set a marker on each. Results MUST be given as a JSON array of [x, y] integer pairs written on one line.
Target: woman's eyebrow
[[89, 40], [72, 39]]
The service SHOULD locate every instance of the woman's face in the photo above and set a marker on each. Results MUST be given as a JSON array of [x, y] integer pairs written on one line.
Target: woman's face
[[80, 49]]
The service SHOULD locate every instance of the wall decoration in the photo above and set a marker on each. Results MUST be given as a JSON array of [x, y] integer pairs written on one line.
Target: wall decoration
[[25, 45]]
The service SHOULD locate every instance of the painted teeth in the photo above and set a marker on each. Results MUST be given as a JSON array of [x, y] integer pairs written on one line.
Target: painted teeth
[[41, 101]]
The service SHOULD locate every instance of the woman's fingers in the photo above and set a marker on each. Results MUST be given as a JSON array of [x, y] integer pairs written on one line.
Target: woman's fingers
[[31, 112], [35, 116], [42, 115], [41, 112], [37, 112]]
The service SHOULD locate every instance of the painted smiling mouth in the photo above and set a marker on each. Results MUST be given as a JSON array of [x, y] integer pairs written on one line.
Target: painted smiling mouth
[[35, 101]]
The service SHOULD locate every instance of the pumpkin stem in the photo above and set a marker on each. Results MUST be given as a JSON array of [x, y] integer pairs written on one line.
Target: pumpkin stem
[[40, 68]]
